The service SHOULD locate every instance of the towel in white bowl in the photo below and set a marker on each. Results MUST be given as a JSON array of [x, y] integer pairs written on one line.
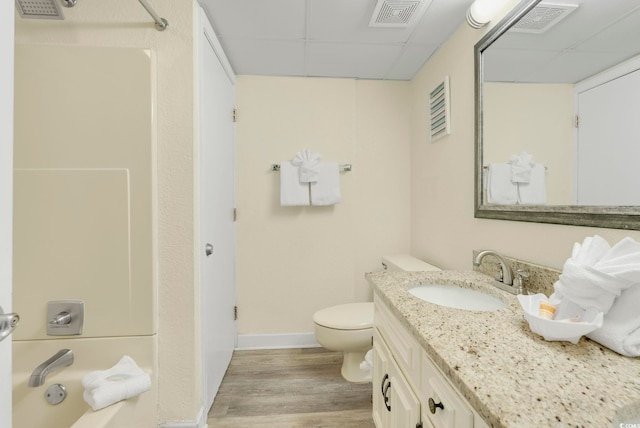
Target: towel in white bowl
[[326, 191], [620, 330], [500, 189], [292, 191], [308, 165], [125, 380]]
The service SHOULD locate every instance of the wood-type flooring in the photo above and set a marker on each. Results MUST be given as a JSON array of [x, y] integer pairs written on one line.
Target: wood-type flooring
[[289, 388]]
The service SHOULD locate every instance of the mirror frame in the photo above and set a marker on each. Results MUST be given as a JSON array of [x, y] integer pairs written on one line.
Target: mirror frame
[[622, 217]]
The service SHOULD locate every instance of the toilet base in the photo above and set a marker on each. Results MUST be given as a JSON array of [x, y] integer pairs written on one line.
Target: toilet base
[[351, 370]]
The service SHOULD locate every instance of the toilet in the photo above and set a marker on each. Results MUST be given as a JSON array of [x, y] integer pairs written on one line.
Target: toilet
[[349, 328]]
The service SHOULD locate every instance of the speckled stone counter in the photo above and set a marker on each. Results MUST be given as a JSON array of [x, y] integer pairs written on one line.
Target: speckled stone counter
[[510, 375]]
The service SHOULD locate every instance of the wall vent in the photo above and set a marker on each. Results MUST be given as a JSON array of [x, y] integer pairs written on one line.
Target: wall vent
[[542, 17], [398, 13], [439, 112]]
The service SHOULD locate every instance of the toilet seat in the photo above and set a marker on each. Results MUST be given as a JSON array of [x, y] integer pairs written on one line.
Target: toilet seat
[[350, 316]]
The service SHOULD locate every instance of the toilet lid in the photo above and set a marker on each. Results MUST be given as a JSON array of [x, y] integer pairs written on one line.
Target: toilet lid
[[352, 316]]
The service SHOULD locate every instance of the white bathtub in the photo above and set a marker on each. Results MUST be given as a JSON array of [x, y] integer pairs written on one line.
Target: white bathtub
[[31, 409]]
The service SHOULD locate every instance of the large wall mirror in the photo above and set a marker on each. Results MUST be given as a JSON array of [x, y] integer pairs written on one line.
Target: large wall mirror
[[558, 114]]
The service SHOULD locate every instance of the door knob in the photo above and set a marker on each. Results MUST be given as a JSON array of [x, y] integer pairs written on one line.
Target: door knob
[[8, 323], [208, 249]]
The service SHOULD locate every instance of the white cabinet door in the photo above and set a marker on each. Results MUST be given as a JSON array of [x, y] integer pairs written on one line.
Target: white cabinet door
[[381, 382], [405, 406]]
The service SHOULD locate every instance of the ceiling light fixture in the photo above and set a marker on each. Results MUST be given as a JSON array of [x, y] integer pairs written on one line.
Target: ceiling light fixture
[[481, 12]]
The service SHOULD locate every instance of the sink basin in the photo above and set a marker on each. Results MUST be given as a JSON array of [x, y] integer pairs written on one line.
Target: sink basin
[[453, 296]]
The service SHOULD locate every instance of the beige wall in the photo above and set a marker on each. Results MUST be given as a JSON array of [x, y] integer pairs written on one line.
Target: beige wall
[[537, 119], [293, 261], [443, 228], [124, 23]]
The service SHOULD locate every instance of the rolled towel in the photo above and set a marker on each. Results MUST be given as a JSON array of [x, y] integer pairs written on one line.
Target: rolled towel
[[620, 330], [106, 387], [307, 163]]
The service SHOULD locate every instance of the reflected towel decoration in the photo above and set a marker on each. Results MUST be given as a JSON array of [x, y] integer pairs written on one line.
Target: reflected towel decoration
[[106, 387], [521, 166], [500, 189], [535, 191], [308, 163]]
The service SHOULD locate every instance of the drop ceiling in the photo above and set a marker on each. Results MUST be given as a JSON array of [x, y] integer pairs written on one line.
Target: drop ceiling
[[597, 35], [329, 38]]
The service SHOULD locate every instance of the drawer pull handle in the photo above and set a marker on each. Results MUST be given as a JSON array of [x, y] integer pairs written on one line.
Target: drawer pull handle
[[386, 384], [433, 406]]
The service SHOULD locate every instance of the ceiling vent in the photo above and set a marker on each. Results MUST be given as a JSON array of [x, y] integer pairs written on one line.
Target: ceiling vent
[[542, 17], [398, 13]]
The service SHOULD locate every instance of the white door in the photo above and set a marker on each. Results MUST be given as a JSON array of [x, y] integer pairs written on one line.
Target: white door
[[609, 143], [217, 234], [6, 199]]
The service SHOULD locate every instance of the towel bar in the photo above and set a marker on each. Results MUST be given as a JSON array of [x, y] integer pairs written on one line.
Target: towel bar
[[346, 167], [487, 167]]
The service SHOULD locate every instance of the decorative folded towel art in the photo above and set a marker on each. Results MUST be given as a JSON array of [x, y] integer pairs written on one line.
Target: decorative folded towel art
[[520, 180], [305, 180], [599, 279], [106, 387]]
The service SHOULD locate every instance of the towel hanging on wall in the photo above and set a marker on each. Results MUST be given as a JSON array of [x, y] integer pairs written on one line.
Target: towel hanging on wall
[[292, 191], [326, 191]]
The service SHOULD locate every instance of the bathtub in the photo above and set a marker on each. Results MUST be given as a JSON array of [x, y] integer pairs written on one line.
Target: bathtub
[[31, 409]]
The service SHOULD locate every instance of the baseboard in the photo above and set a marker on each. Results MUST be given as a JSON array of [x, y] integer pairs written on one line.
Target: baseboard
[[276, 341], [200, 422]]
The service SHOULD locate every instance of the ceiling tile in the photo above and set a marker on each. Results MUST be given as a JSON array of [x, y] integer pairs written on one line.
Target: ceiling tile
[[410, 61], [273, 19], [265, 57], [364, 61]]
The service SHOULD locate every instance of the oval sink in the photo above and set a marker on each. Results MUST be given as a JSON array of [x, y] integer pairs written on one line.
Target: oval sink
[[453, 296]]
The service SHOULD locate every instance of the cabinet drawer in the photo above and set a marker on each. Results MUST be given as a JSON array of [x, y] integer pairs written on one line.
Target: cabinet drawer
[[406, 350], [454, 411]]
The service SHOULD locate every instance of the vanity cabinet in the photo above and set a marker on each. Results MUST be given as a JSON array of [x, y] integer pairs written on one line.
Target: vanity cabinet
[[408, 389]]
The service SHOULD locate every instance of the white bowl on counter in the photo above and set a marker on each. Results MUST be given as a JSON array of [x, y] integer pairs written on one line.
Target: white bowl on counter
[[570, 324]]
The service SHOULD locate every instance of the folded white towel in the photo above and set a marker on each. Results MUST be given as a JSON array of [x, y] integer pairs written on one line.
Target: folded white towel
[[326, 191], [535, 191], [124, 380], [596, 274], [500, 189], [307, 162], [292, 192], [521, 165], [620, 330]]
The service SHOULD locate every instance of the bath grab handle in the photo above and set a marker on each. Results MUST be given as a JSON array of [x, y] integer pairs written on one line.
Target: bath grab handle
[[8, 323]]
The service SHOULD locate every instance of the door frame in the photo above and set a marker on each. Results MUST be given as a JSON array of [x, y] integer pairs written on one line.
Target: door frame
[[7, 42]]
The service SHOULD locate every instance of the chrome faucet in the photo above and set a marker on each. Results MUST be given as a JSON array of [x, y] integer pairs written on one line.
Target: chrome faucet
[[62, 358], [507, 273]]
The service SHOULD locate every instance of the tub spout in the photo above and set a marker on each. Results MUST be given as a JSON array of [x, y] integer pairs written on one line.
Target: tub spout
[[62, 358]]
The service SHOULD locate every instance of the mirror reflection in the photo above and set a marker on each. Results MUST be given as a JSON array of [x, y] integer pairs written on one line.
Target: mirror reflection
[[560, 111]]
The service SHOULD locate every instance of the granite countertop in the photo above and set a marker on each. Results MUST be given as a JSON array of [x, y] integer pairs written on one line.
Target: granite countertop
[[510, 375]]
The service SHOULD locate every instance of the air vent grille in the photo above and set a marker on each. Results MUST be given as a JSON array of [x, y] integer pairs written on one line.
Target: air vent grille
[[439, 110], [397, 13], [542, 17], [47, 9]]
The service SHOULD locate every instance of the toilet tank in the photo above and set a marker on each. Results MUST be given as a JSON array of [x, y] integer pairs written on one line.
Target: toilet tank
[[405, 262]]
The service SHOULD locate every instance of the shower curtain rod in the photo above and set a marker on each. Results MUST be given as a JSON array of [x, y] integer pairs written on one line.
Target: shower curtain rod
[[161, 23]]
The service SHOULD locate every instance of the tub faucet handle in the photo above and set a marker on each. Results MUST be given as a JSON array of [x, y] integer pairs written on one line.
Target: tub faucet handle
[[62, 318]]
